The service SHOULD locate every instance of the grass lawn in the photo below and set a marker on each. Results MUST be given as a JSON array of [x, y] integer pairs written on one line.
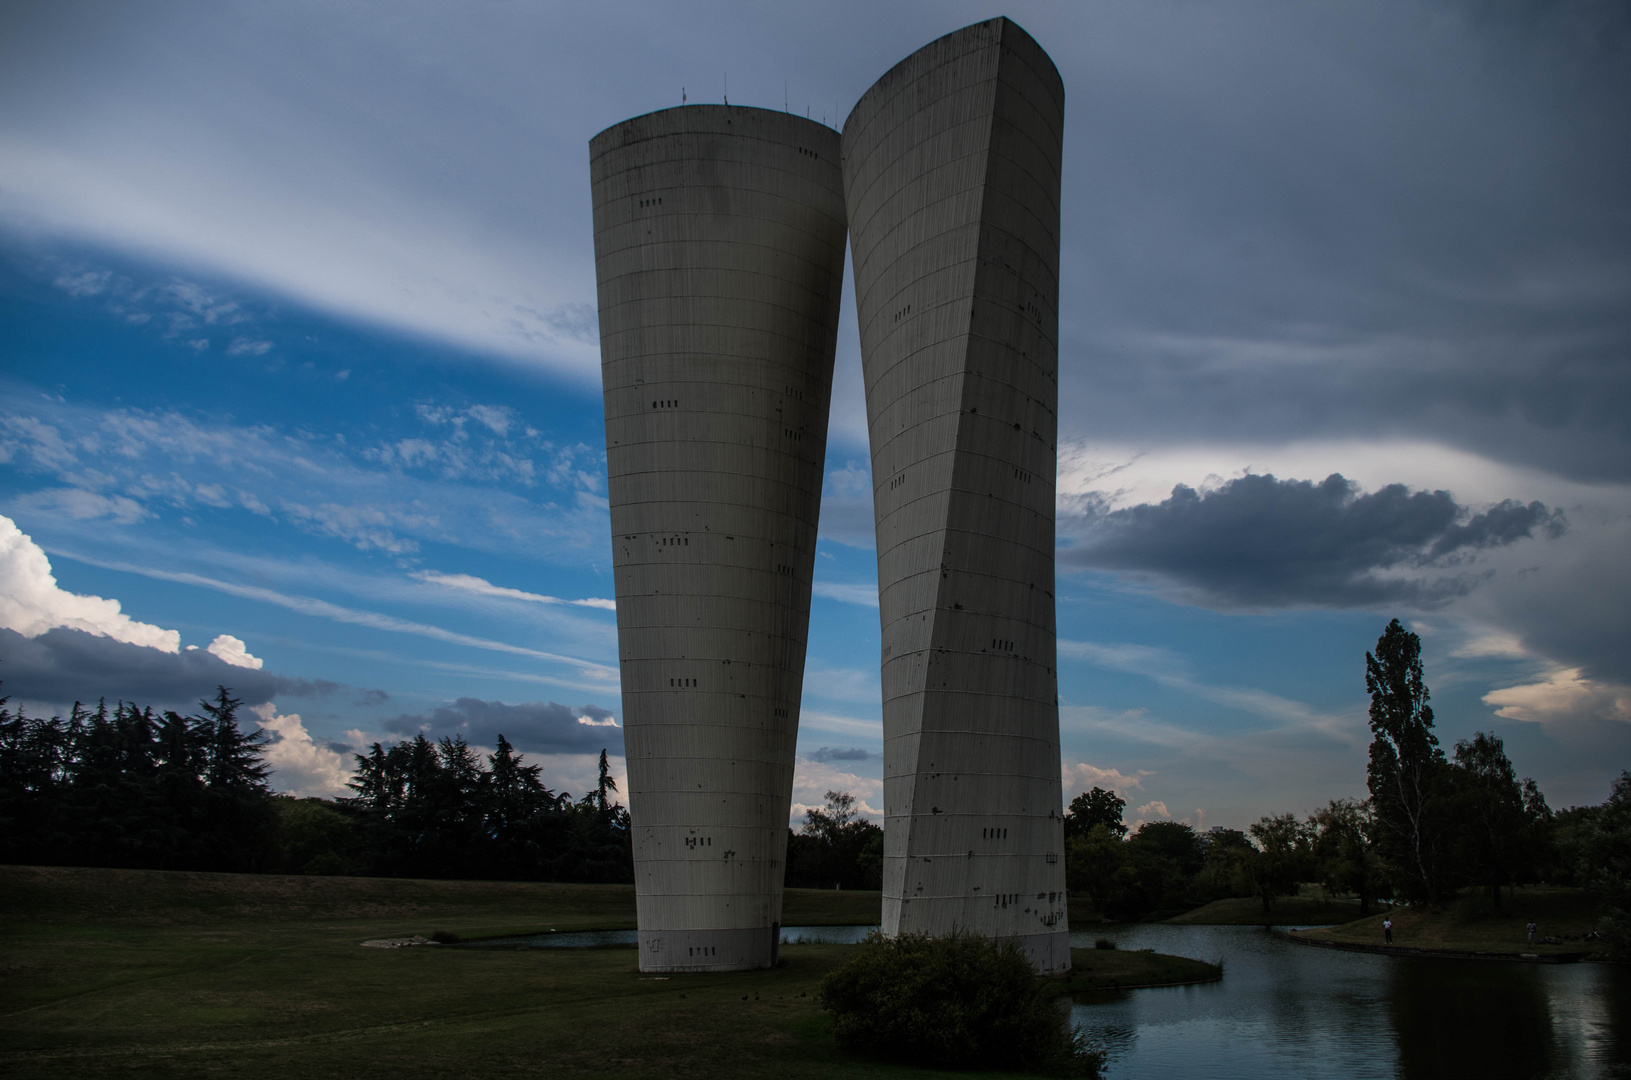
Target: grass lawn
[[1109, 969], [146, 973], [1467, 926]]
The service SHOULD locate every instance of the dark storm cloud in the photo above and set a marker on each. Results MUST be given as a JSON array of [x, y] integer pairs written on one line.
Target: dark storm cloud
[[536, 727], [1262, 542], [1353, 221], [1383, 220], [835, 753], [62, 666]]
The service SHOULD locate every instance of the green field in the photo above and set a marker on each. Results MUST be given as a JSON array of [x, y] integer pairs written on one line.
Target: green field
[[1466, 926], [148, 973]]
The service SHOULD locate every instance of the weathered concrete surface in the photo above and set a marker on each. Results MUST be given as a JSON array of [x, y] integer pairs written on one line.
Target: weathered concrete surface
[[951, 176], [719, 255]]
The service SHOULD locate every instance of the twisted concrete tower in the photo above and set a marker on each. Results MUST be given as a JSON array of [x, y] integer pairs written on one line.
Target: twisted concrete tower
[[719, 257], [951, 176]]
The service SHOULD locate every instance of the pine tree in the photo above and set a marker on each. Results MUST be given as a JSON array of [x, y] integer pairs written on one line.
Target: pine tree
[[241, 829]]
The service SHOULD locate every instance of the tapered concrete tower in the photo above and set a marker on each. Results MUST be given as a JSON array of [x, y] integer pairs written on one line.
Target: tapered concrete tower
[[951, 176], [719, 254]]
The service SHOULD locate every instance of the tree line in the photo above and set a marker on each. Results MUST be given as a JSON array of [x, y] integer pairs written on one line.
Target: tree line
[[129, 787], [1434, 824]]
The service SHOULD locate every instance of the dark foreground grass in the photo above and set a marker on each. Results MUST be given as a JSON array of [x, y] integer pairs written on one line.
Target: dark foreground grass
[[146, 973]]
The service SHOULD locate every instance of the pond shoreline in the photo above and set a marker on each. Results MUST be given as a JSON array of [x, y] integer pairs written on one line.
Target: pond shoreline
[[1439, 954]]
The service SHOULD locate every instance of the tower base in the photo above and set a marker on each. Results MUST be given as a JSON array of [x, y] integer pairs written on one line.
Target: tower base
[[715, 950]]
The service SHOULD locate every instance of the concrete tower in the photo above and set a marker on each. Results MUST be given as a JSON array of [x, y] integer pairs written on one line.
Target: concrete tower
[[951, 176], [719, 257]]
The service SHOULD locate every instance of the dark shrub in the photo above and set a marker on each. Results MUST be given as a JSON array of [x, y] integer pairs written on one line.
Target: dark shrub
[[960, 1002], [1103, 943], [445, 937]]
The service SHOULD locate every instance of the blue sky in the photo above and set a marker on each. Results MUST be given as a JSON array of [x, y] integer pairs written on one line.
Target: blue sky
[[300, 368]]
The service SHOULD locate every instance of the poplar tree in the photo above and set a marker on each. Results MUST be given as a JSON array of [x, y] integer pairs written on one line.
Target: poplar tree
[[1407, 769]]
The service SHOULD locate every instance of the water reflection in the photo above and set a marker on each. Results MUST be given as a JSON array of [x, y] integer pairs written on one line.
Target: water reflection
[[1286, 1010], [1462, 1017]]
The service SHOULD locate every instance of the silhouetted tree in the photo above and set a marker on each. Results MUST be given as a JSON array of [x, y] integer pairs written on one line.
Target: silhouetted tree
[[1500, 821], [1345, 858], [1602, 849], [1096, 807], [126, 787], [1407, 773], [835, 848], [1094, 866], [1281, 856]]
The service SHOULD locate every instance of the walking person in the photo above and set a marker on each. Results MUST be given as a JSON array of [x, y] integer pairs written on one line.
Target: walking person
[[1531, 933], [1387, 930]]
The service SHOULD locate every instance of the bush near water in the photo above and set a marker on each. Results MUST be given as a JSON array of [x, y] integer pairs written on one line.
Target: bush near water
[[958, 1002]]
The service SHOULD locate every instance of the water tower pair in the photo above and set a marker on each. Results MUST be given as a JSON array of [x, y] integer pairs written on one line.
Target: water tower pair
[[719, 252]]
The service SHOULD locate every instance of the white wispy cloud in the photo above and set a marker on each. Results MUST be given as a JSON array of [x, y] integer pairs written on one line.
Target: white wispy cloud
[[858, 685], [1169, 669], [849, 726], [1562, 697], [862, 595], [325, 609], [127, 465], [243, 346], [481, 587]]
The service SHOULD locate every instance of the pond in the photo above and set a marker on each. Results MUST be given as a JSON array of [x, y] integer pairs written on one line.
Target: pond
[[1285, 1010]]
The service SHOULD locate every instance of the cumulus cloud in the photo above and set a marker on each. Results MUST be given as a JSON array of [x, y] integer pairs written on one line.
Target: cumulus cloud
[[32, 603], [64, 665], [1257, 541], [812, 779], [537, 727], [1153, 808], [300, 765], [233, 651], [1084, 777]]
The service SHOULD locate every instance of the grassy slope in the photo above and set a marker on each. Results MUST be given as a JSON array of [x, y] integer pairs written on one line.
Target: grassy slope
[[1463, 926], [140, 973], [1289, 910], [468, 908]]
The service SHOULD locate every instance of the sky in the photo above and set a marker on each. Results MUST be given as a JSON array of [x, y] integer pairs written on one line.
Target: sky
[[300, 386]]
